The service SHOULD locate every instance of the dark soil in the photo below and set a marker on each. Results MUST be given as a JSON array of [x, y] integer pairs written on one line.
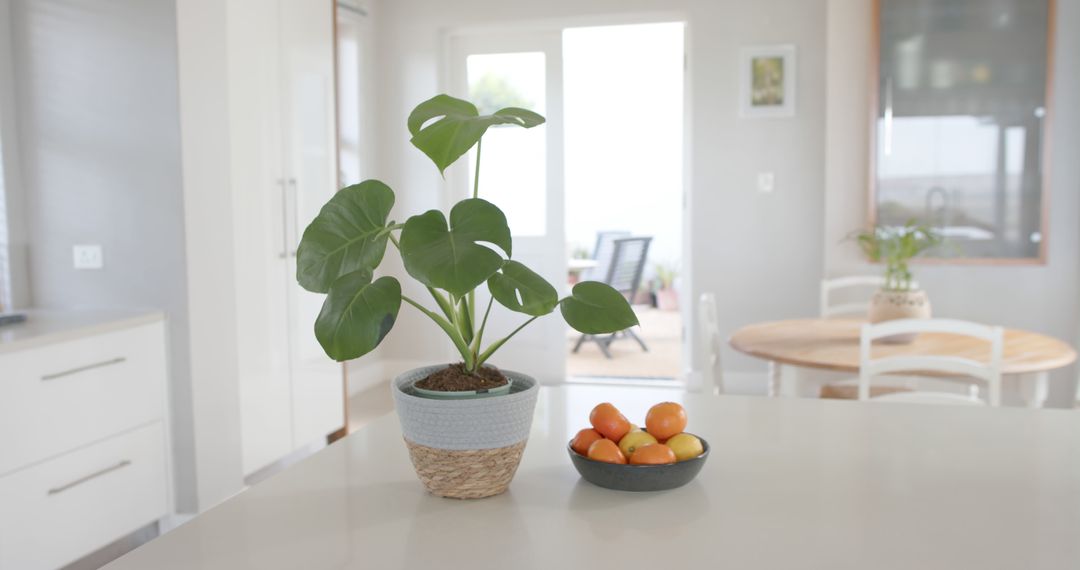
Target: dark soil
[[454, 378]]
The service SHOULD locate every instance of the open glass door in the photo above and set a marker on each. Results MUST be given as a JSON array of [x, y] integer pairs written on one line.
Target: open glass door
[[521, 171]]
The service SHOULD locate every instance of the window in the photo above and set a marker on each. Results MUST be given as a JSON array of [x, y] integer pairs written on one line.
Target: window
[[961, 108], [513, 168]]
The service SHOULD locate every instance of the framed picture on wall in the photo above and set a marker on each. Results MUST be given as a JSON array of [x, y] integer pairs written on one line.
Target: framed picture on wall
[[767, 81]]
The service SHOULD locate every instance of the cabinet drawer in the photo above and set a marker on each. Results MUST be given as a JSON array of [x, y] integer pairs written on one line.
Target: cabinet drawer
[[62, 509], [58, 397]]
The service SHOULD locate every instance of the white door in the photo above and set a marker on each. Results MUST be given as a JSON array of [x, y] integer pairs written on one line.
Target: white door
[[262, 264], [307, 58], [521, 172]]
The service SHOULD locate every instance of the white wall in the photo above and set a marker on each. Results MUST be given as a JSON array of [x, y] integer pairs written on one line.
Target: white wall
[[743, 244], [1040, 298], [98, 151]]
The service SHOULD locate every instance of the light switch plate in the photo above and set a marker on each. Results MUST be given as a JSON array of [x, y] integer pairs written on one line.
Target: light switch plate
[[766, 182], [88, 256]]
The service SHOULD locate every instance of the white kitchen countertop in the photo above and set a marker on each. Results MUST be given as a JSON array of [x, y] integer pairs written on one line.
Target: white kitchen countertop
[[790, 483], [44, 327]]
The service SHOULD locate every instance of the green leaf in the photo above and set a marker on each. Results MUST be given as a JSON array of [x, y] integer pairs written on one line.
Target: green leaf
[[538, 297], [595, 308], [357, 314], [348, 234], [451, 257], [458, 126]]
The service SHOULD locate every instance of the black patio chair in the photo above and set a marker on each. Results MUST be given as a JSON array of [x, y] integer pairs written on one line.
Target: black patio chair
[[624, 272]]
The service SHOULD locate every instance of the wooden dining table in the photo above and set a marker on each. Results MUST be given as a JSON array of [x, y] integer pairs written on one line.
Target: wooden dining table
[[795, 347]]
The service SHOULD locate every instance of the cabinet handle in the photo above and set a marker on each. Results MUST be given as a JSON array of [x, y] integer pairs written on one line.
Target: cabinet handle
[[101, 364], [85, 478]]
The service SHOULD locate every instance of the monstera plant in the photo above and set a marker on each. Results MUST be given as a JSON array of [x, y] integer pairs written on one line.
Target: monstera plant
[[450, 256]]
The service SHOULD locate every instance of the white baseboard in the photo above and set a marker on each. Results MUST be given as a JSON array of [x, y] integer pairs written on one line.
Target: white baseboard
[[172, 521]]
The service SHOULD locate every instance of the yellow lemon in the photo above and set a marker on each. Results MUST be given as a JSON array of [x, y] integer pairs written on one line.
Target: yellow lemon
[[685, 446], [633, 440]]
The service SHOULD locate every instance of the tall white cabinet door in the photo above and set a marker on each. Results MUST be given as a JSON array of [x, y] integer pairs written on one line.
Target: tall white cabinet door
[[261, 245], [307, 57]]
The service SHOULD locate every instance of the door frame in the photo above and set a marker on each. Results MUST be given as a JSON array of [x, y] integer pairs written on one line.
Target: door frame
[[692, 357]]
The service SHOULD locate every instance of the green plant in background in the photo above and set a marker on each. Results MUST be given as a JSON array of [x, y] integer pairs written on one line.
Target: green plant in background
[[579, 252], [341, 249], [665, 275], [896, 246], [492, 91]]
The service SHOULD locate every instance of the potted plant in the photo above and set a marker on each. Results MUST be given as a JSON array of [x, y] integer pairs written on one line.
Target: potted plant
[[465, 423], [667, 299], [896, 246]]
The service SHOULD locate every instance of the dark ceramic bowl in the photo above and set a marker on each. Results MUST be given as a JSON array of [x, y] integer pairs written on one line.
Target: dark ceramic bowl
[[638, 477]]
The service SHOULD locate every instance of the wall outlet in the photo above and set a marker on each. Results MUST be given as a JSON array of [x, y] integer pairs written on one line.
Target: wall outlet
[[88, 256], [766, 182]]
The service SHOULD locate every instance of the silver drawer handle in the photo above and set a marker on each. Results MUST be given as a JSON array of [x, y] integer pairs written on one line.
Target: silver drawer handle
[[102, 364], [94, 475]]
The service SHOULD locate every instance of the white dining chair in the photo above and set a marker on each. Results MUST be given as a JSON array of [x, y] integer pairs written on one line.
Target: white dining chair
[[846, 287], [829, 287], [988, 372], [711, 342]]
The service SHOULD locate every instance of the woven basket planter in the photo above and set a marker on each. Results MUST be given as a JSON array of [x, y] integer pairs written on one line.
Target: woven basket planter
[[465, 449], [892, 305]]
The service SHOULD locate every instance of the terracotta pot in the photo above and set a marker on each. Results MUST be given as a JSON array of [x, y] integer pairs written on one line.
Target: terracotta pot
[[667, 300], [892, 305]]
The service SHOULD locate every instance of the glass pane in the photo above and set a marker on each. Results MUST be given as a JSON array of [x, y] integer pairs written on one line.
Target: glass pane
[[5, 267], [960, 122], [513, 167], [349, 103]]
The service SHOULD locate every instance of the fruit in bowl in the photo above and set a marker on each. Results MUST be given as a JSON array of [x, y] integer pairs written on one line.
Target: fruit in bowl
[[615, 454]]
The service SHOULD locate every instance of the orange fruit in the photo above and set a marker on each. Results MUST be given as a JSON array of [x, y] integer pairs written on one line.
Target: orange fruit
[[584, 439], [665, 420], [605, 450], [609, 421], [653, 454]]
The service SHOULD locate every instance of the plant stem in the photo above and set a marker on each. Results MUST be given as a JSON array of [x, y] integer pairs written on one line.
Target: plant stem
[[444, 304], [498, 344], [471, 299], [476, 175], [450, 331], [465, 321], [483, 325]]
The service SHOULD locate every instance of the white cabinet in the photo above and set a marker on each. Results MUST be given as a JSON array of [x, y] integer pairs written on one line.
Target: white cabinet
[[83, 436], [283, 165], [64, 508]]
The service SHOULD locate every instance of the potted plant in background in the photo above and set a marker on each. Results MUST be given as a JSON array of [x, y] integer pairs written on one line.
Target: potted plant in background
[[465, 423], [667, 299], [896, 247]]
